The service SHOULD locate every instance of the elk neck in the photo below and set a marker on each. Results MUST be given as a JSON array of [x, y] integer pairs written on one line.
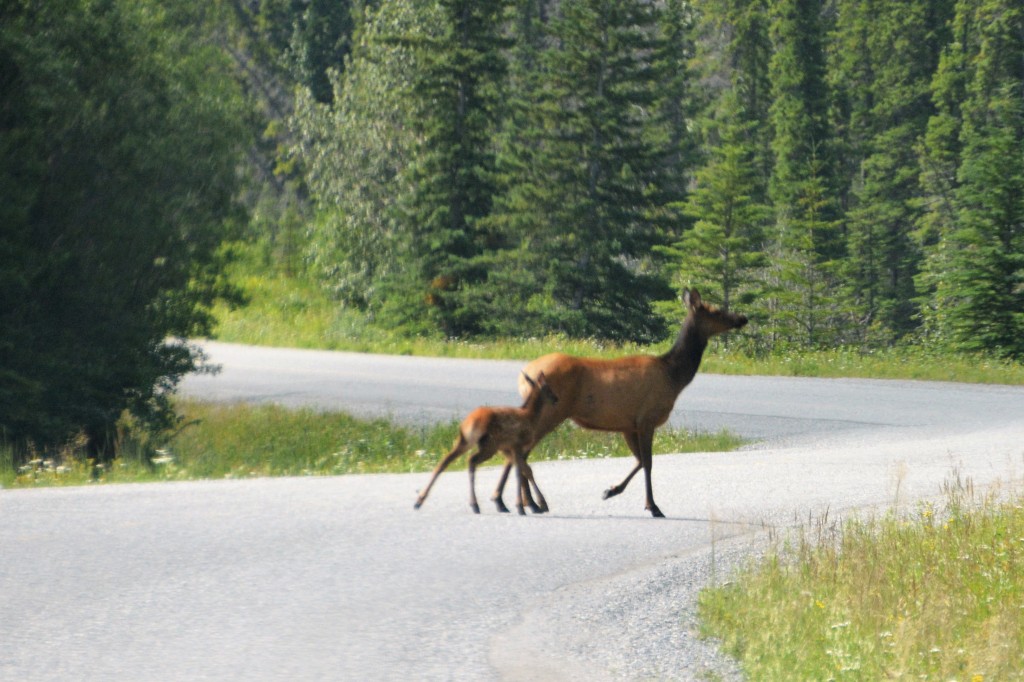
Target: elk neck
[[683, 359]]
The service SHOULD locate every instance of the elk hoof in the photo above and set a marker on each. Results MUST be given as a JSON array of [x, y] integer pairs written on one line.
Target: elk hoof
[[611, 492], [418, 504], [536, 509], [543, 508], [501, 506], [655, 512], [520, 510], [475, 507]]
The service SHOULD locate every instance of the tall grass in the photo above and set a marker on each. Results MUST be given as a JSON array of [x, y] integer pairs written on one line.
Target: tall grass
[[938, 595], [239, 440]]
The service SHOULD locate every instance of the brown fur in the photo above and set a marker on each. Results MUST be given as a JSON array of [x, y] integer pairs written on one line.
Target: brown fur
[[632, 395], [509, 430]]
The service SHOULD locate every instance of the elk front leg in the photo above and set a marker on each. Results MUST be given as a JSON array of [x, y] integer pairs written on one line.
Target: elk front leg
[[646, 440], [519, 489], [524, 476], [541, 506], [523, 489], [499, 491], [541, 502]]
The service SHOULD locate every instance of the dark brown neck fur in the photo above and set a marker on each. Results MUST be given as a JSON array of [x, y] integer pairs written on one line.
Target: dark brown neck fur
[[683, 359]]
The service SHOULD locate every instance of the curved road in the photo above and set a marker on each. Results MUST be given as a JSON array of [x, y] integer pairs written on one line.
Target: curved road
[[339, 579]]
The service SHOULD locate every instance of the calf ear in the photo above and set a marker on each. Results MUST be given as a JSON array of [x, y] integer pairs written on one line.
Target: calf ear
[[691, 297], [529, 380]]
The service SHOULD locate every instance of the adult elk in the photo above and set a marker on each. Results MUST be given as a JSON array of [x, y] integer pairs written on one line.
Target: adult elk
[[632, 395], [510, 430]]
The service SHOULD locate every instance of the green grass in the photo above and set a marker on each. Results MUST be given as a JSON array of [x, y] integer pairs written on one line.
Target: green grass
[[293, 312], [936, 596], [239, 440]]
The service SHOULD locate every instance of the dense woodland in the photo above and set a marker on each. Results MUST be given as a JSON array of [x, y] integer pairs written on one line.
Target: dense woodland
[[845, 172]]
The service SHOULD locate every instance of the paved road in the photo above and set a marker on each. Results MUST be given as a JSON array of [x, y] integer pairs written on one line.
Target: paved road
[[339, 579]]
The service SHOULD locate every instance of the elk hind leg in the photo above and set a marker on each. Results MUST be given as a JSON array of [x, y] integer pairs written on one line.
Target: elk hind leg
[[459, 447], [499, 490], [484, 453], [633, 441]]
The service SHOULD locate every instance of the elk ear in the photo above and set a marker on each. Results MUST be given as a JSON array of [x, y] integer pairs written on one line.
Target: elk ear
[[529, 380], [691, 297]]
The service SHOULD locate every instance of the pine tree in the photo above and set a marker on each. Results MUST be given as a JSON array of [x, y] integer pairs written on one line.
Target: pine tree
[[803, 183], [402, 163], [884, 58], [974, 280], [734, 51], [452, 113], [723, 252], [585, 166], [677, 103]]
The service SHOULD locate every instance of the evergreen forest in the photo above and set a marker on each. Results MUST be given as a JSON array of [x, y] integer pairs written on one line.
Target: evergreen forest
[[844, 172]]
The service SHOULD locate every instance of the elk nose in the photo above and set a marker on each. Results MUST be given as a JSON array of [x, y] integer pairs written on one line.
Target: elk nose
[[741, 322]]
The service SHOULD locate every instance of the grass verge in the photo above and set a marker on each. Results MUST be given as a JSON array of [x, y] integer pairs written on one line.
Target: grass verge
[[292, 312], [239, 440], [936, 596]]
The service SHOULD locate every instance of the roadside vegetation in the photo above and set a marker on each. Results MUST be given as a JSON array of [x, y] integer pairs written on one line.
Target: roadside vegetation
[[217, 441], [934, 595], [295, 312]]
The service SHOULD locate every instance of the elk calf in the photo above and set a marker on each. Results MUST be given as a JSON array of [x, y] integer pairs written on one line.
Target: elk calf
[[510, 430]]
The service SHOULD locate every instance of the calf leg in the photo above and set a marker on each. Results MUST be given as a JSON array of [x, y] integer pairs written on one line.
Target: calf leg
[[496, 497], [459, 447], [482, 455], [541, 505]]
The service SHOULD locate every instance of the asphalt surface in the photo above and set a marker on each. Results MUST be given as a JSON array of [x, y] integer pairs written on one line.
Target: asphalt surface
[[339, 579]]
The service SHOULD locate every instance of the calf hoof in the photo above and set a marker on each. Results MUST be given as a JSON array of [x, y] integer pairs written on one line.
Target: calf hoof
[[418, 504], [501, 506], [520, 510], [655, 512], [611, 492], [475, 507]]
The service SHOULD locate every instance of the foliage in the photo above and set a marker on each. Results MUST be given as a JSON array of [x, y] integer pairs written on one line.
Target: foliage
[[841, 133], [120, 136], [575, 209], [933, 595], [722, 252], [845, 172], [973, 279], [284, 311], [356, 151], [881, 70], [242, 441]]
